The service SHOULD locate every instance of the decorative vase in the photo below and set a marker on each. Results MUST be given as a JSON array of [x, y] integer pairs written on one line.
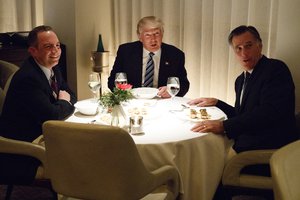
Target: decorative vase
[[116, 115]]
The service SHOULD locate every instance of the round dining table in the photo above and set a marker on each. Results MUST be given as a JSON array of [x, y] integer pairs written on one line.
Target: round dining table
[[167, 139]]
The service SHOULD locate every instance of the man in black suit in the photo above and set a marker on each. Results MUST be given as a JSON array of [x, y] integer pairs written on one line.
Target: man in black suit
[[168, 60], [31, 99], [264, 113]]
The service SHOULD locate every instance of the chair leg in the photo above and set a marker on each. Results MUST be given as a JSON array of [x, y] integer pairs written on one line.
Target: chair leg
[[9, 190]]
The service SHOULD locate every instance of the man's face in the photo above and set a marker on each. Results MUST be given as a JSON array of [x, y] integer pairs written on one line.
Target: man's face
[[48, 51], [151, 39], [247, 50]]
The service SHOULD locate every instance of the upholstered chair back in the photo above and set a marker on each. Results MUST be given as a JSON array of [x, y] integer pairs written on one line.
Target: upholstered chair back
[[90, 161]]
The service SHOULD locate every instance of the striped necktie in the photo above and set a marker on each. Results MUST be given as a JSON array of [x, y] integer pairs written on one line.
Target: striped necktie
[[148, 82]]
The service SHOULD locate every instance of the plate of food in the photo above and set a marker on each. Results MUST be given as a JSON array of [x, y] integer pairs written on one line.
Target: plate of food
[[197, 114], [144, 92], [144, 111]]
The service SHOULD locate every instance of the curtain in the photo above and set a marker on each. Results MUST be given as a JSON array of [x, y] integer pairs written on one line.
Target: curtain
[[200, 28], [19, 15]]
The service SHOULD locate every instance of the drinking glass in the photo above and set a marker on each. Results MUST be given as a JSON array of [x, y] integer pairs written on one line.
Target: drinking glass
[[120, 78], [94, 84], [173, 86]]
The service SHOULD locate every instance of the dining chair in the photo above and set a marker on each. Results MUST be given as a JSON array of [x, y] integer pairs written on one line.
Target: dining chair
[[234, 182], [285, 165], [10, 148], [91, 161], [7, 71]]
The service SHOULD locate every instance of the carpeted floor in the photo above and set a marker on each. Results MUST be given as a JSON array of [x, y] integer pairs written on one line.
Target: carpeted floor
[[27, 193], [38, 193]]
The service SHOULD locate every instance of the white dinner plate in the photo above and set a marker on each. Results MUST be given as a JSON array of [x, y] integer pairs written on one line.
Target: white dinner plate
[[144, 92], [213, 112]]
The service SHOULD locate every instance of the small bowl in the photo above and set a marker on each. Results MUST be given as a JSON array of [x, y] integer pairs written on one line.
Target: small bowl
[[144, 92], [87, 107]]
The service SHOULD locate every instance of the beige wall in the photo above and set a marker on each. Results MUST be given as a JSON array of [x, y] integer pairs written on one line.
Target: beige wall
[[61, 16], [288, 43], [79, 22]]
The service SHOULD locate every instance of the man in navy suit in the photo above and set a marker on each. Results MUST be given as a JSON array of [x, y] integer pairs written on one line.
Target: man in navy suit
[[168, 60], [264, 113], [31, 100]]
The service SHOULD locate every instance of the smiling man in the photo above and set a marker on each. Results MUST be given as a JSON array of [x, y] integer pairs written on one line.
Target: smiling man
[[31, 100], [167, 60], [37, 92]]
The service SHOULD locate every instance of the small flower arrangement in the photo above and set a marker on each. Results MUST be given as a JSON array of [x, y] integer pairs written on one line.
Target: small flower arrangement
[[119, 94]]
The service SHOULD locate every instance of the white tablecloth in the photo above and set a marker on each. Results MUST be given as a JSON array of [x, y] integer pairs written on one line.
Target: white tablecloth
[[199, 157]]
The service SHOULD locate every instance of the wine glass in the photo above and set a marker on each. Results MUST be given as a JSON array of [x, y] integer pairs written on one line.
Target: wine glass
[[173, 86], [120, 78], [94, 84]]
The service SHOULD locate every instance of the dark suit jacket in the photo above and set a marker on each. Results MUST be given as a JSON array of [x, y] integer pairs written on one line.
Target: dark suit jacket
[[130, 60], [30, 102], [266, 117]]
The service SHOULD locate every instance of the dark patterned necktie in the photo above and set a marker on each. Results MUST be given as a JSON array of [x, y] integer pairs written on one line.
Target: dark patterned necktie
[[53, 84], [246, 79], [148, 82]]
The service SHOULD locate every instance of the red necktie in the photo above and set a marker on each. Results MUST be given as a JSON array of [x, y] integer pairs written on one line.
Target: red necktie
[[54, 84]]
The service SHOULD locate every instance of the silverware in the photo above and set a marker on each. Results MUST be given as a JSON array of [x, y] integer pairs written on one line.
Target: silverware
[[185, 106]]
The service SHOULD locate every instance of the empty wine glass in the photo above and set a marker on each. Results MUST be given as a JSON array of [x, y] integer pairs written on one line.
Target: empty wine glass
[[120, 78], [94, 85]]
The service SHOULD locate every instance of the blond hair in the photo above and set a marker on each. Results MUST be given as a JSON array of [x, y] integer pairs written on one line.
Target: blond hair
[[149, 22]]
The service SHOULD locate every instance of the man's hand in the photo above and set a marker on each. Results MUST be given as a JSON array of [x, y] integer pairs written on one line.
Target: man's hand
[[163, 93], [214, 126], [63, 95], [203, 102]]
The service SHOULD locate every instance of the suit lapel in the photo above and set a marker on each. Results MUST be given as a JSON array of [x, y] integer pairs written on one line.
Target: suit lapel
[[164, 65], [137, 60]]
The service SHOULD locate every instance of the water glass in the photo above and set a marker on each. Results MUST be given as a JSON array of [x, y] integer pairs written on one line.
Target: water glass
[[120, 78]]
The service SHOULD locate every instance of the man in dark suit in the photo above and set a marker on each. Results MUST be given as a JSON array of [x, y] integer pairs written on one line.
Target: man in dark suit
[[168, 60], [37, 93], [264, 113]]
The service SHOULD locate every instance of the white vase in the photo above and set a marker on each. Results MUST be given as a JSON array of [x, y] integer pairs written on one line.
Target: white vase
[[117, 115]]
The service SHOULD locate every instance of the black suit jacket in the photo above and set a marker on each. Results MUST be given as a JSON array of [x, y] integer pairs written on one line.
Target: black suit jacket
[[130, 60], [29, 102], [266, 117]]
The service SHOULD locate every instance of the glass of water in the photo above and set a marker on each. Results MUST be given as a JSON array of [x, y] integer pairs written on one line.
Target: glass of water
[[173, 86], [94, 85], [120, 78]]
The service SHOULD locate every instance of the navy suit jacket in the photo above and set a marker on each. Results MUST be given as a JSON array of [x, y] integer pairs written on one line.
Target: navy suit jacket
[[130, 60], [266, 117], [29, 102]]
